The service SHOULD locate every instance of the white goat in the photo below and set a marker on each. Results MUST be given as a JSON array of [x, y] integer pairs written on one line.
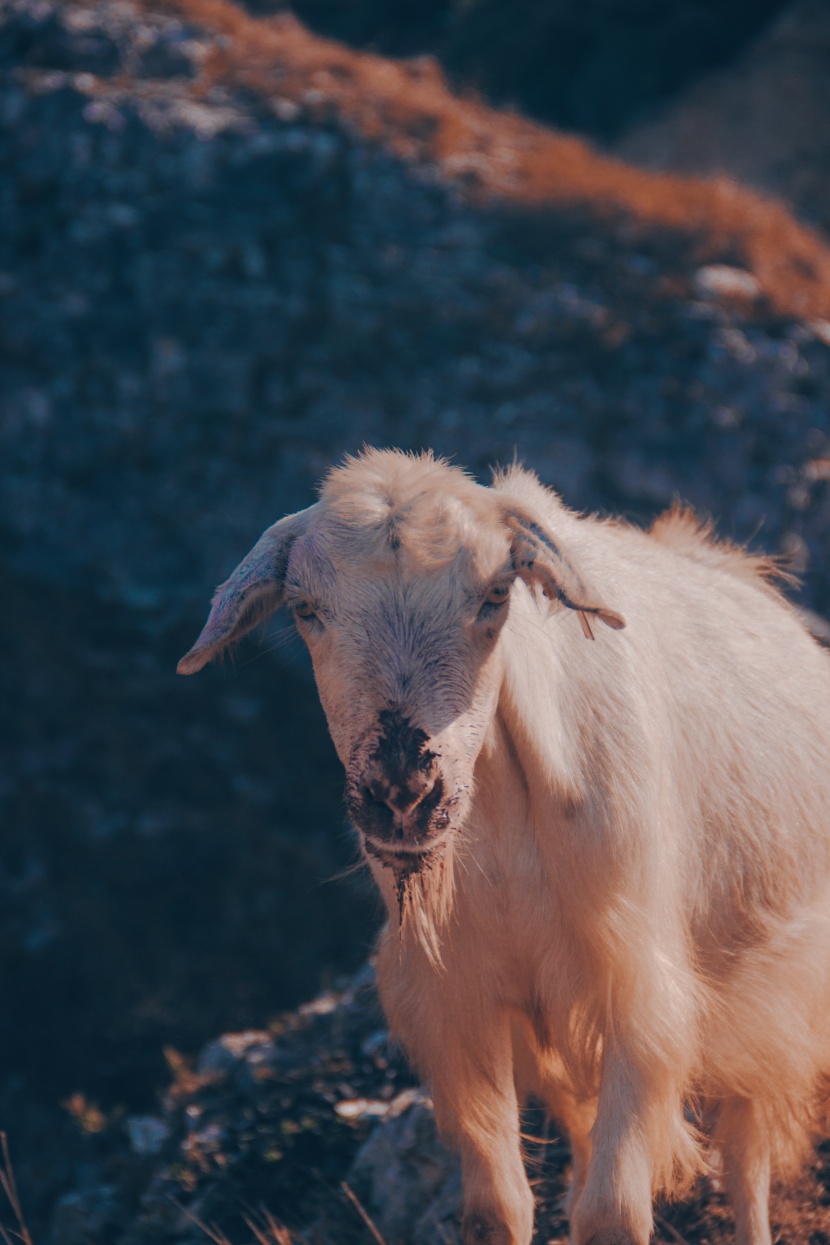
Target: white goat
[[606, 865]]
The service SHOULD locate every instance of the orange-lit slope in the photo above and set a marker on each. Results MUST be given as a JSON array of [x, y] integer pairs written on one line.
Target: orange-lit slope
[[409, 107]]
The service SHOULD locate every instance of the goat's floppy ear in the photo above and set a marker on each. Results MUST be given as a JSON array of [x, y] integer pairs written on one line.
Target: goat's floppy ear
[[538, 559], [252, 593]]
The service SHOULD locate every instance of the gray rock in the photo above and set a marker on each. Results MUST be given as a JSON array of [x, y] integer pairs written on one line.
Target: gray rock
[[404, 1168]]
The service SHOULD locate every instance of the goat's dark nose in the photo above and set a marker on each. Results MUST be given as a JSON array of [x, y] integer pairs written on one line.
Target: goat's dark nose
[[402, 797]]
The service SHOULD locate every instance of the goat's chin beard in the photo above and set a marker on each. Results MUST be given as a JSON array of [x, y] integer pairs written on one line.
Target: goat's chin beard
[[423, 892]]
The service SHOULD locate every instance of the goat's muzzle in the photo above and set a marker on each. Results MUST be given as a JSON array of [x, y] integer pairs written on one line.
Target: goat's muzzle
[[397, 796]]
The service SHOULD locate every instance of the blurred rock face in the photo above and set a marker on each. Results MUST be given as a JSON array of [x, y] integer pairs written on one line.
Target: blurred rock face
[[208, 299]]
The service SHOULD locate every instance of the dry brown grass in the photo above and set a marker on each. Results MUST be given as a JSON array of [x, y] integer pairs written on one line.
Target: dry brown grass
[[264, 1228], [18, 1235], [409, 107]]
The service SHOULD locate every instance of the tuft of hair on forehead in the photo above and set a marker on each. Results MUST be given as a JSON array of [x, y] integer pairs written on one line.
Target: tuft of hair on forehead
[[415, 502], [390, 477]]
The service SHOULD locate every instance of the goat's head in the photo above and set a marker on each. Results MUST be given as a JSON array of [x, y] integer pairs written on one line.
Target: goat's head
[[399, 581]]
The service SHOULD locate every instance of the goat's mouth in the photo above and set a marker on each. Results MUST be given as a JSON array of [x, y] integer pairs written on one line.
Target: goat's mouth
[[406, 847], [396, 825], [406, 859]]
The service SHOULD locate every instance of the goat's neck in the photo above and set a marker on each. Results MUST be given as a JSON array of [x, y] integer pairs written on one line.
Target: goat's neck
[[536, 704], [525, 775]]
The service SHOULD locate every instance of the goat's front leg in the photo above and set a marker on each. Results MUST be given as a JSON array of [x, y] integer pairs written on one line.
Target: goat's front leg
[[465, 1052], [477, 1112], [742, 1136], [639, 1134], [614, 1206]]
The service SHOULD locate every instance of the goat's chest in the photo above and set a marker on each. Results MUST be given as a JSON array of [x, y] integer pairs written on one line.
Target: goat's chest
[[507, 914]]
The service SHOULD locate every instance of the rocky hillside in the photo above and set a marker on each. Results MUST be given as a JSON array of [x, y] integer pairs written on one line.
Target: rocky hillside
[[313, 1130], [231, 251], [721, 87]]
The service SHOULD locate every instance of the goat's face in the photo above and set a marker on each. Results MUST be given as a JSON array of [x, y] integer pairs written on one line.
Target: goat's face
[[399, 581], [404, 643]]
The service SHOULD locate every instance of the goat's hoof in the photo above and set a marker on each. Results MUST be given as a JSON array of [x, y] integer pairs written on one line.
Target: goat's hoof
[[485, 1228]]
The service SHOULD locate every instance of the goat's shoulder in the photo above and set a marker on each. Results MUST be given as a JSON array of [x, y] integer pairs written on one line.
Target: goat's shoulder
[[681, 530]]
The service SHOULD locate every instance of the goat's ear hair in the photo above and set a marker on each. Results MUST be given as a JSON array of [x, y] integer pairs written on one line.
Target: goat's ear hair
[[252, 593], [539, 559]]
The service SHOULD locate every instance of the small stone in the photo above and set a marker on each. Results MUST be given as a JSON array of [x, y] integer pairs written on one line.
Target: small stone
[[722, 281], [361, 1108], [84, 1216], [821, 330], [223, 1055], [147, 1133], [286, 109]]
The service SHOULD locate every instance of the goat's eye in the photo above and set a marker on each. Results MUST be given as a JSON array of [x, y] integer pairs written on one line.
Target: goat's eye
[[497, 596], [303, 610]]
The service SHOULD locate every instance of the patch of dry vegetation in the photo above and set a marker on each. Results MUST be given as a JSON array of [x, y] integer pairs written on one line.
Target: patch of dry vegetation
[[500, 155], [8, 1184]]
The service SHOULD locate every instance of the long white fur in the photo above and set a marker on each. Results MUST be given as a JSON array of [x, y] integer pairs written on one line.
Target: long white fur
[[632, 918]]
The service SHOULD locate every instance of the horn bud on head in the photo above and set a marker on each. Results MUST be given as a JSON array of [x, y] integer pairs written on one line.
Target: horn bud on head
[[539, 559], [250, 595]]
